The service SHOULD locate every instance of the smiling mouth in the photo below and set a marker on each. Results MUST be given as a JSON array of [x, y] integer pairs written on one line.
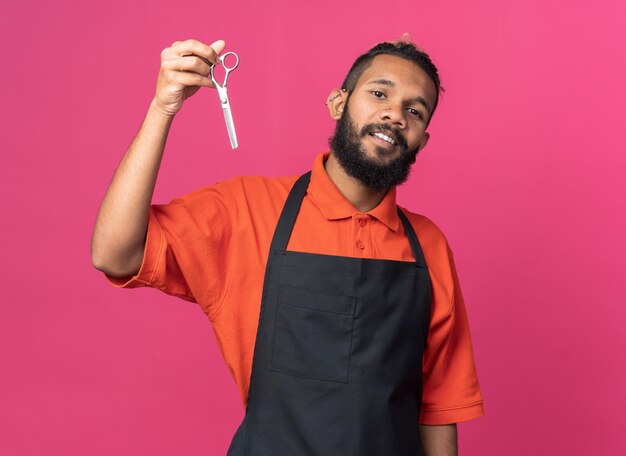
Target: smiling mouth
[[384, 137]]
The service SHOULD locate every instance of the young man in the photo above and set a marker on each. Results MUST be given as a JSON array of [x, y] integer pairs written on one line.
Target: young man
[[339, 315]]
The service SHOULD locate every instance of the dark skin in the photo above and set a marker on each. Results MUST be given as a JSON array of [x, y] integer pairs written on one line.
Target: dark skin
[[391, 90], [395, 91]]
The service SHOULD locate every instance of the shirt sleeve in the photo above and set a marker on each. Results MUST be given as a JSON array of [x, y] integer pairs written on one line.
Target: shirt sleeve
[[186, 242], [451, 391]]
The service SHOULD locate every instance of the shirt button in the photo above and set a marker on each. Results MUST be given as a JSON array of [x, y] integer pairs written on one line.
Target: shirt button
[[362, 222], [360, 245]]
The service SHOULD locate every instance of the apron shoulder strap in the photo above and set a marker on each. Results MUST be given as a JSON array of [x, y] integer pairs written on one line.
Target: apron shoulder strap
[[289, 213], [415, 245]]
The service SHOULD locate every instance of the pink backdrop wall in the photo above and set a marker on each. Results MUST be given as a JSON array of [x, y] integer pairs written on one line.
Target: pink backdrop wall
[[524, 173]]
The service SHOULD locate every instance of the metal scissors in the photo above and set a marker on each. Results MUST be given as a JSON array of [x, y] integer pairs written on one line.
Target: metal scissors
[[221, 91]]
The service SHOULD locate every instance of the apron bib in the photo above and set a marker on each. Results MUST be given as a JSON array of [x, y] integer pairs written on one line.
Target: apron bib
[[337, 367]]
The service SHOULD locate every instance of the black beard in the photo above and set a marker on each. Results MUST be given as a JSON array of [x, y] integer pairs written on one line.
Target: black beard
[[346, 146]]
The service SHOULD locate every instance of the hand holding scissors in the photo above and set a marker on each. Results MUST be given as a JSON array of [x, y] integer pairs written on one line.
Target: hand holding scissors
[[221, 91], [185, 68]]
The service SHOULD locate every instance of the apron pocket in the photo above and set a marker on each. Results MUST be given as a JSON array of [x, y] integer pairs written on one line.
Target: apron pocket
[[313, 334]]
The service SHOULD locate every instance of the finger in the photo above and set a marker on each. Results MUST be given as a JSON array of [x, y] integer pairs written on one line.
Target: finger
[[170, 52], [191, 79], [191, 63], [176, 51], [218, 46], [195, 47]]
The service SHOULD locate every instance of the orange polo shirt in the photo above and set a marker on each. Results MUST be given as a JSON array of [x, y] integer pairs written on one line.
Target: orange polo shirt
[[211, 247]]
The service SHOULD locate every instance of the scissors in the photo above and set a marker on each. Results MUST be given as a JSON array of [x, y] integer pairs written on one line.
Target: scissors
[[221, 91]]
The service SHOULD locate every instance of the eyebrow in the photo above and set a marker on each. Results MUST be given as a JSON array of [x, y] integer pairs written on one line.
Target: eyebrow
[[389, 83]]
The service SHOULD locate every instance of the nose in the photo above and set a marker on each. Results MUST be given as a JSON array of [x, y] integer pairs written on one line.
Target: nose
[[394, 115]]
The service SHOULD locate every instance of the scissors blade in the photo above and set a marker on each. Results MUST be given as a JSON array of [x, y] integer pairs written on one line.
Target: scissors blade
[[230, 125], [228, 116]]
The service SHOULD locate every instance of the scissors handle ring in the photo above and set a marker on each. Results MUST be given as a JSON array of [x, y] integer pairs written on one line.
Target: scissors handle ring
[[227, 68], [223, 59]]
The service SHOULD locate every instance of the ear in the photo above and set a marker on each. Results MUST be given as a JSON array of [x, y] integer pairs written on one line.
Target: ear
[[336, 102]]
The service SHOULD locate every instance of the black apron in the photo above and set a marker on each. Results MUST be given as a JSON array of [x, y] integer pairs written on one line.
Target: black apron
[[337, 367]]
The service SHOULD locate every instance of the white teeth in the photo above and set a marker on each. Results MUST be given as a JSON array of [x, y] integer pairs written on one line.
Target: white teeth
[[385, 137]]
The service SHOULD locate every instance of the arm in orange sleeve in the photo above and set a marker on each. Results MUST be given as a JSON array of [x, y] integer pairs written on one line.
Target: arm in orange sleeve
[[451, 389], [186, 243]]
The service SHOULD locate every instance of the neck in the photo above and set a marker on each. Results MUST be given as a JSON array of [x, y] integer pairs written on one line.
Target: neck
[[361, 197]]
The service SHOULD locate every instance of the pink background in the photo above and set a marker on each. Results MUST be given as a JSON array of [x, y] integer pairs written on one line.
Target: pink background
[[524, 173]]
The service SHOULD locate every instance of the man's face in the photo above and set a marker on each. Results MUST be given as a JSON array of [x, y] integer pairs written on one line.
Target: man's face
[[384, 121]]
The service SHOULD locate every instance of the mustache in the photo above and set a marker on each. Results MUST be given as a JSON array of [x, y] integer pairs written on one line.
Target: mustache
[[382, 128]]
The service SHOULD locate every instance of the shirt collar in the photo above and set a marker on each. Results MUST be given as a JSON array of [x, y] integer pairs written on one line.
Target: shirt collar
[[334, 205]]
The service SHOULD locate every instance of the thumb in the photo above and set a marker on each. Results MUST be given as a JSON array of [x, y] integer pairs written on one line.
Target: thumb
[[218, 46]]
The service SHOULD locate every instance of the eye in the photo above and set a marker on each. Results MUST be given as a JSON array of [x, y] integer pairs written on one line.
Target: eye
[[378, 94], [414, 112]]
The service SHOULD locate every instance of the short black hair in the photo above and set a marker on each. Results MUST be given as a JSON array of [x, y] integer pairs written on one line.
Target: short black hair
[[404, 49]]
